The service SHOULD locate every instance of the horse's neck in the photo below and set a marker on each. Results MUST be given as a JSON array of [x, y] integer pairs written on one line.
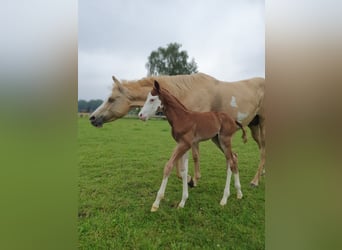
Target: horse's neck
[[137, 94]]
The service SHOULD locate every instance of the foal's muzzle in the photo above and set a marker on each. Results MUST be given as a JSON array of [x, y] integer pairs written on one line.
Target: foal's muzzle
[[141, 117]]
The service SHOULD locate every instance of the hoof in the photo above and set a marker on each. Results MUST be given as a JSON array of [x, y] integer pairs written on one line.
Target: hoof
[[239, 196], [154, 209], [253, 185], [191, 183], [223, 202]]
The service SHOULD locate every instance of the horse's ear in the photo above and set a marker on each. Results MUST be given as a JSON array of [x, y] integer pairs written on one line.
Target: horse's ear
[[157, 86], [118, 83]]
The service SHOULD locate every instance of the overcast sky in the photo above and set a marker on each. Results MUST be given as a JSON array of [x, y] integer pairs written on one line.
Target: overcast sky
[[225, 37]]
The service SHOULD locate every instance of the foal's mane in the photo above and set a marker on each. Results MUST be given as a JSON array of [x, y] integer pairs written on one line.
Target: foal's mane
[[171, 100]]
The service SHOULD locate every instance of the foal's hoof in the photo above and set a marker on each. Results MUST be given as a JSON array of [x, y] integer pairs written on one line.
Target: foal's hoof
[[154, 209], [239, 196], [223, 202], [191, 183]]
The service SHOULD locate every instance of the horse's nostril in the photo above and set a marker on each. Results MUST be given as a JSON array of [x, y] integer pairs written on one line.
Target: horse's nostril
[[92, 118]]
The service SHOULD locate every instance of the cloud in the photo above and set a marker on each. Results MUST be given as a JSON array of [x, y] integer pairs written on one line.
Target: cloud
[[226, 38]]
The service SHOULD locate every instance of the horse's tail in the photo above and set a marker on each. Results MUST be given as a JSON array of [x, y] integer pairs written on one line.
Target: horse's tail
[[244, 134]]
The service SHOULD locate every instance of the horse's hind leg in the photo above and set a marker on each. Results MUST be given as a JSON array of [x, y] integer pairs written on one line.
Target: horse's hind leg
[[258, 134], [195, 156]]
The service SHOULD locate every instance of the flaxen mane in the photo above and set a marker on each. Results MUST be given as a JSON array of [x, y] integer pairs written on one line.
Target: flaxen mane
[[174, 84]]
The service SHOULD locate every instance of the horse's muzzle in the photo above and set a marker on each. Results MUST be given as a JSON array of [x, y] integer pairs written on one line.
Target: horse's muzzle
[[97, 122]]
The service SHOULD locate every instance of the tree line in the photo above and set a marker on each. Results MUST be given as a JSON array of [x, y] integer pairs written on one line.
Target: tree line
[[88, 106]]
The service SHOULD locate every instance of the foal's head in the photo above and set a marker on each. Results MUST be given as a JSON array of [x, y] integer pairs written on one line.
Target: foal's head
[[153, 102], [150, 107], [158, 97]]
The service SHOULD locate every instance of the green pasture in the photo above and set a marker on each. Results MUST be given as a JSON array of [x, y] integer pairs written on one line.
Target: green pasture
[[120, 171]]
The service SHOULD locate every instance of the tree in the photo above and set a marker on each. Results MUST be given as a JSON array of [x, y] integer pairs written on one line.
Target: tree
[[82, 106], [170, 61], [88, 106]]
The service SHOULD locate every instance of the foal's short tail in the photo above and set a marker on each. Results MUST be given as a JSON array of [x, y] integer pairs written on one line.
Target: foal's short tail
[[244, 135]]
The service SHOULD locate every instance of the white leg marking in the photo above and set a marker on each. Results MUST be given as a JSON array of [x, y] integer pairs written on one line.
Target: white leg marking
[[238, 186], [185, 162], [185, 194], [226, 192], [160, 195]]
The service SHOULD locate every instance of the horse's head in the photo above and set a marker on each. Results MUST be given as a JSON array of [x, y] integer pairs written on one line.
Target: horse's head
[[116, 106], [150, 107]]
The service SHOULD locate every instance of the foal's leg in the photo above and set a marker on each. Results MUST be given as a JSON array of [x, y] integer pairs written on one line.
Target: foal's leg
[[179, 151], [185, 194], [184, 162], [226, 191], [236, 177], [231, 158], [225, 145], [217, 143]]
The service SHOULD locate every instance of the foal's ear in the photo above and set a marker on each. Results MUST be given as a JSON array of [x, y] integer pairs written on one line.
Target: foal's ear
[[157, 86]]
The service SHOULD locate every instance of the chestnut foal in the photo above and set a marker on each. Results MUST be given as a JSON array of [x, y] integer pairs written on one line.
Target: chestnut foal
[[188, 129]]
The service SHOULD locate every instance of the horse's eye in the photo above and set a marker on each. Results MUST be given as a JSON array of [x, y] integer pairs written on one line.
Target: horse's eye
[[110, 99], [152, 100]]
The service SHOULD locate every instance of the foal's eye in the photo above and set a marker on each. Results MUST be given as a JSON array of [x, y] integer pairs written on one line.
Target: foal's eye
[[110, 99], [152, 100]]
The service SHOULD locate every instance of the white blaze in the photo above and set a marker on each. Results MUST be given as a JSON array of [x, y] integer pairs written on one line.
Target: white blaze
[[150, 107]]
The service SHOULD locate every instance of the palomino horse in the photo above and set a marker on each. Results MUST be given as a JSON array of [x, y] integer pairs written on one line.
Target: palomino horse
[[242, 100], [189, 128]]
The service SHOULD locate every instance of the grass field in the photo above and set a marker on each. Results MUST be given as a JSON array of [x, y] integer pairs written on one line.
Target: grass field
[[121, 168]]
